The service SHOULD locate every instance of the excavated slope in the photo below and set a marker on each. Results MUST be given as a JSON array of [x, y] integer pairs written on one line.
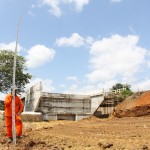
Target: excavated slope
[[136, 105]]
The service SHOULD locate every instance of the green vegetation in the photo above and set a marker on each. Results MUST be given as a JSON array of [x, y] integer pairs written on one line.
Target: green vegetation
[[6, 71], [123, 95], [125, 91], [1, 107], [120, 86]]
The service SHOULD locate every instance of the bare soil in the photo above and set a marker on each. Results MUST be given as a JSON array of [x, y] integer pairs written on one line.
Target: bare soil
[[132, 133], [136, 105]]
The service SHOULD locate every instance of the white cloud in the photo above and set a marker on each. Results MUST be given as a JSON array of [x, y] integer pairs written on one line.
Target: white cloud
[[100, 75], [142, 86], [10, 46], [39, 55], [62, 86], [89, 40], [2, 96], [148, 63], [46, 84], [32, 82], [84, 90], [75, 40], [73, 78], [114, 57], [79, 4], [116, 1], [55, 5], [73, 89]]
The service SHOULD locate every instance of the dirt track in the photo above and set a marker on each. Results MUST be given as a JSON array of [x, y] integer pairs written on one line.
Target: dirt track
[[88, 134]]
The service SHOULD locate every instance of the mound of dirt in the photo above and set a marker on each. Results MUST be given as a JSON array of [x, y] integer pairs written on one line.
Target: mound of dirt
[[136, 105]]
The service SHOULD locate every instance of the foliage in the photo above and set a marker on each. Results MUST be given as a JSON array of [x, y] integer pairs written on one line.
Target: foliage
[[6, 71], [1, 107], [119, 86], [124, 93]]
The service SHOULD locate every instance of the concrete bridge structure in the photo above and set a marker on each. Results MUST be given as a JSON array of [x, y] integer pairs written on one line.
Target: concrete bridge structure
[[56, 106]]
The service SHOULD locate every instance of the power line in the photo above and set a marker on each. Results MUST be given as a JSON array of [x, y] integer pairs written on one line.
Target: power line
[[140, 80]]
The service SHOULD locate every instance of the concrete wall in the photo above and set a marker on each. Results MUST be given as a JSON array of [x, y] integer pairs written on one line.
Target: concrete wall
[[32, 97], [73, 117], [64, 103], [96, 100], [55, 106], [105, 110]]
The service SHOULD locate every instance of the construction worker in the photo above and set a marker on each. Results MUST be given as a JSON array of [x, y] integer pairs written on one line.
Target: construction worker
[[8, 115]]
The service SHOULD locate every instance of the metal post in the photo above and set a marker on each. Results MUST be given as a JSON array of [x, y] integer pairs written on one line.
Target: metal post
[[14, 77]]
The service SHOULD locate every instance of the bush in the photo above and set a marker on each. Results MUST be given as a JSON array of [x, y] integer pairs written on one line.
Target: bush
[[123, 95], [1, 107]]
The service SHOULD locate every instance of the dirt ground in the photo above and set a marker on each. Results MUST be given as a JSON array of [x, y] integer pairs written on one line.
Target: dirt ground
[[132, 133]]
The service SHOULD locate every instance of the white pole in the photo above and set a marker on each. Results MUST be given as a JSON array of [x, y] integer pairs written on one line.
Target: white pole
[[14, 77]]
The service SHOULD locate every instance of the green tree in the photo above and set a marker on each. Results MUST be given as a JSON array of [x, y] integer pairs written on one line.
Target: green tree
[[6, 71], [1, 107], [120, 86], [124, 93]]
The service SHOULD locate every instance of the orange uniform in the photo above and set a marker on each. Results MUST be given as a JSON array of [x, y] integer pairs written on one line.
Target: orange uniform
[[8, 115]]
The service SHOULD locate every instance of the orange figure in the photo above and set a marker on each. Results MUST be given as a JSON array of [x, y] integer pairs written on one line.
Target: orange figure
[[8, 115]]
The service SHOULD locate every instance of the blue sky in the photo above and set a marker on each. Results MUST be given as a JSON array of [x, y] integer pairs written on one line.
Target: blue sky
[[80, 46]]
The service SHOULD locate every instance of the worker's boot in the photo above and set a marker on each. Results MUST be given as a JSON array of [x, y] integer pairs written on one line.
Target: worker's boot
[[18, 137], [10, 140]]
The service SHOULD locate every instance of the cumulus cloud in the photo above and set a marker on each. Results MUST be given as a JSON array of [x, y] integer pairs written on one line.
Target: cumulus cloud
[[73, 89], [55, 5], [72, 78], [148, 60], [47, 84], [89, 40], [75, 40], [142, 85], [39, 55], [100, 75], [148, 63], [87, 89], [10, 46], [116, 56], [79, 4], [62, 85]]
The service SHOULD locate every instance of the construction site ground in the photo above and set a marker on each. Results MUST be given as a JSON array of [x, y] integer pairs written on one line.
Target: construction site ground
[[132, 133]]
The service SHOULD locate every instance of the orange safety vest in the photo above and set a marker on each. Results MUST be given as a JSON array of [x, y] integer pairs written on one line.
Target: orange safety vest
[[8, 105]]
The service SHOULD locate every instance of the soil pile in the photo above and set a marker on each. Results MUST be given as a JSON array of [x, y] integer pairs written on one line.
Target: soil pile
[[135, 106]]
